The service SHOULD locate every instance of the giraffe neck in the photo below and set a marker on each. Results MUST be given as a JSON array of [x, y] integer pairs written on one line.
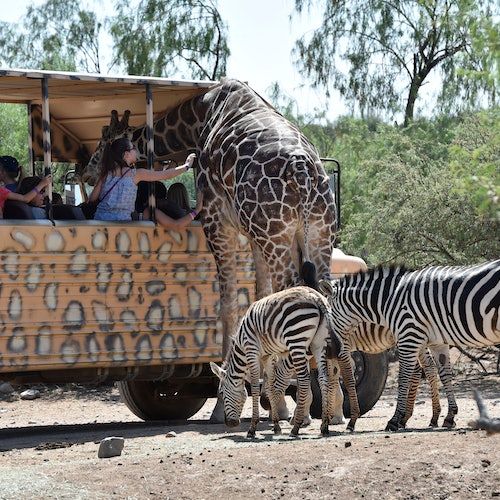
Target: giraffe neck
[[178, 130]]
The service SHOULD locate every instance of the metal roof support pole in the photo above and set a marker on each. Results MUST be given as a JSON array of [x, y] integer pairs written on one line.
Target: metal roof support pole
[[150, 149], [31, 156], [47, 147]]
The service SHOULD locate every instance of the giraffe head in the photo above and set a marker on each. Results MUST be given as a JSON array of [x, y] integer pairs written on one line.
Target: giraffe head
[[117, 128]]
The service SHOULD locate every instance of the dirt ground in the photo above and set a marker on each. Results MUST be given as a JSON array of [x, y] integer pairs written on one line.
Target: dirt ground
[[48, 449]]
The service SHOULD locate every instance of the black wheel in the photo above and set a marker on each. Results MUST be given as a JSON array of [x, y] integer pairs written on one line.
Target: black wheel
[[370, 372], [160, 400]]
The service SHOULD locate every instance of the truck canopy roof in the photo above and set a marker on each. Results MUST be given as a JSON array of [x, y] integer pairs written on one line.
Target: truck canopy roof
[[81, 104]]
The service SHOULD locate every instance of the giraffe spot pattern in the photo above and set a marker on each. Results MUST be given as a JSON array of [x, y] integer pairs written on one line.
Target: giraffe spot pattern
[[124, 288], [11, 263], [54, 242], [50, 296], [23, 238], [34, 276]]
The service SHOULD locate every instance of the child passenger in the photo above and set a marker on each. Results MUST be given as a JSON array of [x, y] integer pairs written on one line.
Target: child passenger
[[36, 191], [116, 188], [10, 172]]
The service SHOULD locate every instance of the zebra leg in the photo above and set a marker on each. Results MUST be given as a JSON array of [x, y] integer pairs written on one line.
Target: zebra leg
[[441, 356], [304, 394], [347, 371], [273, 390], [336, 395], [431, 374], [324, 370], [429, 368], [408, 353], [254, 368]]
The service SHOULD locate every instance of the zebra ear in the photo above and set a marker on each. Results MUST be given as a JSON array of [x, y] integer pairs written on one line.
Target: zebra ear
[[326, 288], [217, 370]]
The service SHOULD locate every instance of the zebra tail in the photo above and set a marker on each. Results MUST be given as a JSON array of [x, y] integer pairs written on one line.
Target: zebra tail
[[309, 276]]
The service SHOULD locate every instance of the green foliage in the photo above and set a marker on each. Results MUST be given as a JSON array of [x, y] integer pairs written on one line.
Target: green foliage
[[57, 35], [153, 38], [14, 132], [413, 196], [388, 45], [164, 36]]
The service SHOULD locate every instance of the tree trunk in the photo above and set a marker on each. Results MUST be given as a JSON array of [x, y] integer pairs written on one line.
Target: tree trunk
[[410, 103]]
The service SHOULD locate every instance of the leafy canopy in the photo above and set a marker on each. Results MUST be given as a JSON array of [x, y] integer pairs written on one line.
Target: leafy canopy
[[187, 38], [373, 51]]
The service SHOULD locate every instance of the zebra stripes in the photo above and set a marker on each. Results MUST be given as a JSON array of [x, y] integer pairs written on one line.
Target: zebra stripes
[[435, 307], [285, 324]]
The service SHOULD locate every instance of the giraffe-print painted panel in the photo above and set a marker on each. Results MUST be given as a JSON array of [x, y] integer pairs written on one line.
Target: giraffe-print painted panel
[[80, 296]]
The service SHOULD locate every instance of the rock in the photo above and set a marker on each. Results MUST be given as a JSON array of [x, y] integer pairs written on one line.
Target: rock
[[171, 434], [347, 444], [6, 388], [111, 447], [30, 394]]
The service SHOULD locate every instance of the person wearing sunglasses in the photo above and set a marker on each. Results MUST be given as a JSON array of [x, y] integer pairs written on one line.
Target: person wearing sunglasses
[[116, 189]]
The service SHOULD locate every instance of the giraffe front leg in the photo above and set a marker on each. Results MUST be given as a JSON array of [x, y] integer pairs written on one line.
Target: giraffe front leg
[[222, 240]]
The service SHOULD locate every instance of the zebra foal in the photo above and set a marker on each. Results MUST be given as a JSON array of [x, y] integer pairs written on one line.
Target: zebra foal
[[285, 324], [435, 307]]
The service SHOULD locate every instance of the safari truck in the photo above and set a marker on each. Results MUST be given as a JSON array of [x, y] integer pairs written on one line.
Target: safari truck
[[89, 301]]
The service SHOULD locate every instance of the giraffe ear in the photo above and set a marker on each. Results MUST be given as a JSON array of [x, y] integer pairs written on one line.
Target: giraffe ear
[[217, 370]]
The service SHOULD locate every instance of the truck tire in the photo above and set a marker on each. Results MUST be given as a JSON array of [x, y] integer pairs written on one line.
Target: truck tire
[[370, 372], [159, 400]]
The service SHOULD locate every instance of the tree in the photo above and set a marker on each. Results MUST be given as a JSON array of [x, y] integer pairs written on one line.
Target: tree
[[163, 36], [384, 44], [153, 37], [57, 35]]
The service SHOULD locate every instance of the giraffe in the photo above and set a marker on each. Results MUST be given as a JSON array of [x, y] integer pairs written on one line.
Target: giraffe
[[260, 177]]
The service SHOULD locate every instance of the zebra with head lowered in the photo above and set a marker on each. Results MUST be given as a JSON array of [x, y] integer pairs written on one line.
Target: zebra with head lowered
[[435, 307], [290, 323]]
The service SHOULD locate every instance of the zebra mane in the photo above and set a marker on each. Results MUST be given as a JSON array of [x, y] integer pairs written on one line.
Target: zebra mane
[[393, 271]]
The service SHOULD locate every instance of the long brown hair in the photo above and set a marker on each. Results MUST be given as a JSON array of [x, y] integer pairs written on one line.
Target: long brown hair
[[112, 157]]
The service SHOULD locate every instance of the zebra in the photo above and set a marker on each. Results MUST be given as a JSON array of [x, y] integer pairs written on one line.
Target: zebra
[[284, 324], [436, 307], [372, 338]]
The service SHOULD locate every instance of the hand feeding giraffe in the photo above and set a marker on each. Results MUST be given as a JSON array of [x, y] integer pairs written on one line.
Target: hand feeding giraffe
[[260, 177]]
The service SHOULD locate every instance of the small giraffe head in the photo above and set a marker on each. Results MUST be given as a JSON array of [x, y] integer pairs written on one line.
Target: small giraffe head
[[116, 129]]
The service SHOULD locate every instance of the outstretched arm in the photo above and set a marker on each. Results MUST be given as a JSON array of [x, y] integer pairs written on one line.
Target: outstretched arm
[[143, 174], [168, 223], [31, 194]]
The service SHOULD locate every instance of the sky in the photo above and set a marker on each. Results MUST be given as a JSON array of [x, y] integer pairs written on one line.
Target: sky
[[261, 38]]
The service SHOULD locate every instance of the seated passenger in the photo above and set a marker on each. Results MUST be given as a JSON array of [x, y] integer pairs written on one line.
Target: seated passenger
[[56, 199], [142, 201], [116, 188], [10, 172], [35, 191], [178, 194], [170, 223], [37, 202]]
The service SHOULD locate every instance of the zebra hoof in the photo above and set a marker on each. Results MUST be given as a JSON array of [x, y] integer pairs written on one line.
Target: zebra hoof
[[295, 431], [449, 424], [324, 430], [433, 424], [251, 434], [392, 426], [351, 425], [277, 430]]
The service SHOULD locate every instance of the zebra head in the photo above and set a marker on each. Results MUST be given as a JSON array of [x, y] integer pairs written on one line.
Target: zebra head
[[233, 394]]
